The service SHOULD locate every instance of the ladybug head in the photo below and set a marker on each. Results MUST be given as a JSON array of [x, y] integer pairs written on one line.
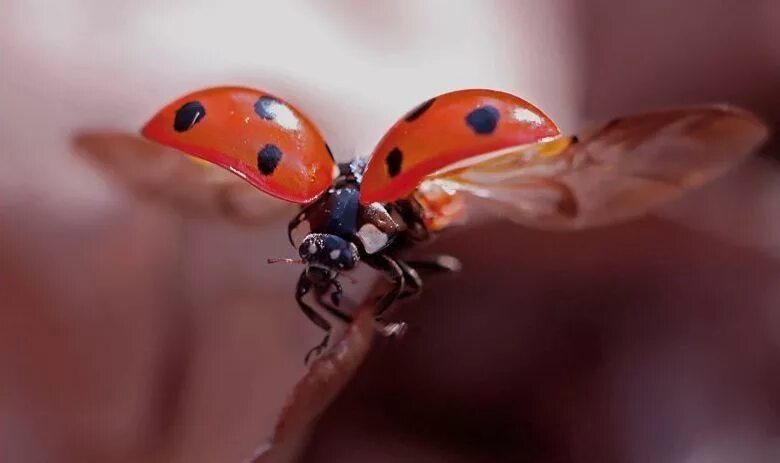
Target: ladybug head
[[326, 255]]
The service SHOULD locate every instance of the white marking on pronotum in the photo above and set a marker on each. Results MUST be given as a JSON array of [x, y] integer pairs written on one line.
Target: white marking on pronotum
[[312, 248], [334, 254], [373, 239]]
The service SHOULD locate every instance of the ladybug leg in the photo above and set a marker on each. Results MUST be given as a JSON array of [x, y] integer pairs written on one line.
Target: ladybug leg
[[299, 226], [433, 264], [412, 280], [436, 264], [335, 298], [395, 273], [304, 285]]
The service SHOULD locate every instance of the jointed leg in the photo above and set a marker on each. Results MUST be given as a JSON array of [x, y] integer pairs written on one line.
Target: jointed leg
[[304, 285], [412, 280], [392, 270], [436, 263], [335, 297]]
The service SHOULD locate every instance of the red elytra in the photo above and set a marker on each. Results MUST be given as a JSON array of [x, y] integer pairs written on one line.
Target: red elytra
[[447, 129], [254, 134]]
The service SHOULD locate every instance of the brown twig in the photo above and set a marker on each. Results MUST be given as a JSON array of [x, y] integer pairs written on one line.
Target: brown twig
[[318, 388]]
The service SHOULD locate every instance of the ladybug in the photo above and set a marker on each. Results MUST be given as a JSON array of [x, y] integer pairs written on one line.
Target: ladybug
[[493, 147]]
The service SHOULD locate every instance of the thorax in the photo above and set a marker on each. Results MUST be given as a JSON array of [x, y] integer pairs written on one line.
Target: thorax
[[339, 212]]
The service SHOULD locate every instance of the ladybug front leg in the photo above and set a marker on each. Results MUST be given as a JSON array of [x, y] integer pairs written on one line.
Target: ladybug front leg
[[304, 286], [335, 297]]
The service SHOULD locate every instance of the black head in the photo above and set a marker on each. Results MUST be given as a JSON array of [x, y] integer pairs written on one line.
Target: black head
[[326, 255]]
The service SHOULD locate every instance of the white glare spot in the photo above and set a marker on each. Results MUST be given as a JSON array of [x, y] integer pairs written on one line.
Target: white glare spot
[[195, 119], [523, 114], [237, 172], [282, 115], [334, 254], [373, 239]]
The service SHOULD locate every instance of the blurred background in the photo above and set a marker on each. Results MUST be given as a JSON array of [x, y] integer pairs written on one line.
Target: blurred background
[[130, 331]]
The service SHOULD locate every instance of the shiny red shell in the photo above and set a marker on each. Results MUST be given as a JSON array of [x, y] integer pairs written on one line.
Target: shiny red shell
[[255, 135], [447, 129]]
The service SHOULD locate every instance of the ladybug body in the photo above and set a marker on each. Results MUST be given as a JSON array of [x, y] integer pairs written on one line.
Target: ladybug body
[[494, 147], [336, 232]]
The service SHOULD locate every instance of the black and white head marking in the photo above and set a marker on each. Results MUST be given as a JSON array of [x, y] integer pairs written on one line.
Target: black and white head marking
[[329, 251]]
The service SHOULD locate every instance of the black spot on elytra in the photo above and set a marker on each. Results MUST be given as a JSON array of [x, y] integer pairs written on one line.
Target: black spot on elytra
[[419, 110], [264, 107], [483, 120], [574, 140], [188, 115], [330, 153], [394, 160], [268, 159]]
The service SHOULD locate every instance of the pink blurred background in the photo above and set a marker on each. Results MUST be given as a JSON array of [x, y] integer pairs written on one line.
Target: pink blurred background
[[131, 332]]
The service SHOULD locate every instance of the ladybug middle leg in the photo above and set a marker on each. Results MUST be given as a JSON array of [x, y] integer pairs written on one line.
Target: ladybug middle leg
[[436, 263], [432, 264], [392, 269], [412, 280]]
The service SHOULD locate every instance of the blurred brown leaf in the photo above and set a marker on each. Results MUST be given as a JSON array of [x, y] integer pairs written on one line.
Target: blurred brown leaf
[[318, 388], [190, 186]]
